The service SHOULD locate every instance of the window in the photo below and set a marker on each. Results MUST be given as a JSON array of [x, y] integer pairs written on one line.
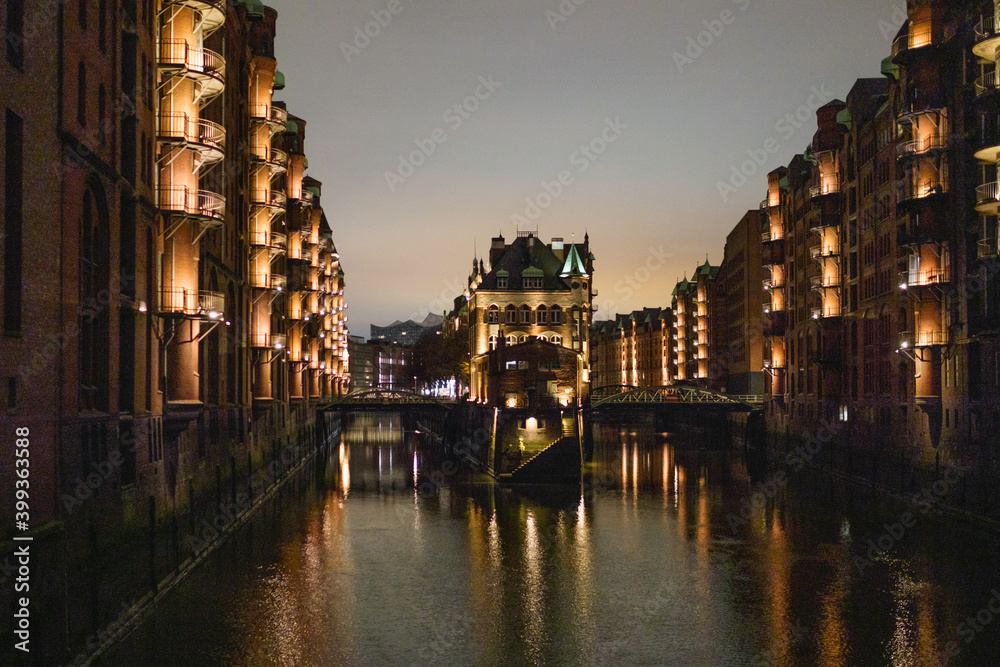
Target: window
[[511, 314], [82, 14], [557, 340], [101, 111], [15, 32], [525, 314], [556, 315], [502, 283], [493, 343], [512, 339], [522, 339], [532, 283], [12, 229], [542, 314], [81, 94], [493, 316], [511, 365], [93, 322]]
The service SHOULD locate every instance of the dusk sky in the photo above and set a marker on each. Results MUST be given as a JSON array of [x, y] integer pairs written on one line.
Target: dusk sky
[[669, 117]]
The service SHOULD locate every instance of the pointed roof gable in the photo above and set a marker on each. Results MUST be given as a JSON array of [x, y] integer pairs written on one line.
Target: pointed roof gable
[[573, 265]]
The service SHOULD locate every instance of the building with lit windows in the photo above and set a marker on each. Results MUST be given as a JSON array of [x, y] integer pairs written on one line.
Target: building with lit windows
[[175, 303], [532, 291]]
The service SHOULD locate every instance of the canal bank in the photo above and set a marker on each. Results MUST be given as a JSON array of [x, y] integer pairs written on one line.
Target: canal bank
[[120, 548]]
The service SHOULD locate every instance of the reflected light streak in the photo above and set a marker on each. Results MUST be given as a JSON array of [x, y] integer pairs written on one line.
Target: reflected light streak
[[534, 584]]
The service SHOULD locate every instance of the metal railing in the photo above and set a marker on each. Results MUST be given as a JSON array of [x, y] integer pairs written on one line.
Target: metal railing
[[923, 339], [192, 303], [935, 276], [178, 53], [988, 248], [929, 143], [269, 114], [201, 203], [987, 83], [181, 127], [268, 340], [828, 188], [269, 198], [988, 195]]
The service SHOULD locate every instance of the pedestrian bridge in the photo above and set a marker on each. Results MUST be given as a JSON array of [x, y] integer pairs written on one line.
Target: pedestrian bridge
[[376, 399], [678, 395]]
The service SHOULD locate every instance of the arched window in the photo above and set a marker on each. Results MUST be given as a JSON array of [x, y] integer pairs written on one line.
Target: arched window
[[511, 314], [493, 315], [556, 315], [542, 314], [512, 339], [525, 314], [557, 340], [81, 94], [493, 341], [542, 338], [522, 339]]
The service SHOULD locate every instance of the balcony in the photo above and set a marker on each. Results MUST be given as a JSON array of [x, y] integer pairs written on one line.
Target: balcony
[[819, 252], [825, 221], [909, 45], [910, 339], [986, 84], [927, 278], [825, 282], [274, 159], [207, 208], [203, 136], [274, 117], [212, 13], [270, 199], [824, 190], [307, 198], [916, 190], [771, 285], [933, 143], [986, 199], [989, 143], [773, 252], [775, 323], [260, 280], [987, 39], [268, 341], [193, 304], [988, 248], [206, 68], [278, 282], [826, 313]]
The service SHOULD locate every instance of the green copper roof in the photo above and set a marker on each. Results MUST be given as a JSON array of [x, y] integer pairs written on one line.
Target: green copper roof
[[532, 272], [279, 81], [306, 164], [573, 265], [292, 127], [844, 118], [502, 274], [255, 8], [783, 183], [890, 69], [313, 189]]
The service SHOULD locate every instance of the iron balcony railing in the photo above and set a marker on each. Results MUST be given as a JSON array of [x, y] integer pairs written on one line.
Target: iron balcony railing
[[198, 203], [828, 188], [933, 142], [987, 83], [192, 303], [181, 127], [923, 278], [268, 340], [988, 198], [268, 198], [200, 64], [909, 339]]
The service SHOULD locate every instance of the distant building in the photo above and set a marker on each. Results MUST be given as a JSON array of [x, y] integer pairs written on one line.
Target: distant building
[[377, 365], [633, 349], [532, 291], [407, 333]]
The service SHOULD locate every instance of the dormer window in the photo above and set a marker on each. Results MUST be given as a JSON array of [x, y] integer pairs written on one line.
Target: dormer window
[[501, 283], [533, 283]]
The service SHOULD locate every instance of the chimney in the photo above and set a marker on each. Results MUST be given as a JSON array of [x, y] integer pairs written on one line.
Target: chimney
[[497, 250], [558, 249]]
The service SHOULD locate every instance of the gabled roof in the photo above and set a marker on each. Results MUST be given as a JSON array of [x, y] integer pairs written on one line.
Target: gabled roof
[[527, 256]]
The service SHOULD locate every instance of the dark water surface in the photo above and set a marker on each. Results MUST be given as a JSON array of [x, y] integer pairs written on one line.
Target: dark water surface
[[666, 558]]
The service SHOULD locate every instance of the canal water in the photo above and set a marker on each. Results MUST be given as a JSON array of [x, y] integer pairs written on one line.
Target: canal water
[[672, 553]]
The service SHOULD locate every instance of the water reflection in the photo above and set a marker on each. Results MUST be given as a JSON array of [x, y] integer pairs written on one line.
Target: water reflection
[[665, 556]]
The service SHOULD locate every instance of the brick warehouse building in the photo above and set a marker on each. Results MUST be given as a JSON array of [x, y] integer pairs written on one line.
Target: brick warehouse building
[[879, 259], [181, 310]]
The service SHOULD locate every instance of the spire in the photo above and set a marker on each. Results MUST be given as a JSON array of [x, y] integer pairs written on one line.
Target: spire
[[573, 266]]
